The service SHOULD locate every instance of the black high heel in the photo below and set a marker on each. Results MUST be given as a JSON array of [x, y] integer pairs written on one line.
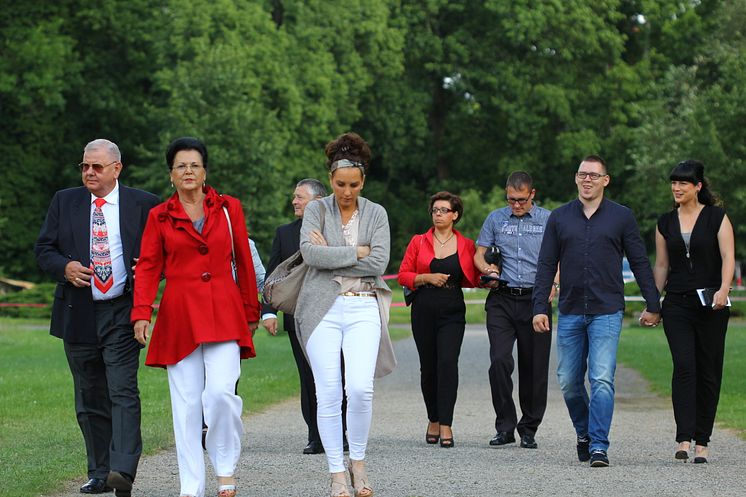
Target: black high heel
[[446, 442], [429, 437]]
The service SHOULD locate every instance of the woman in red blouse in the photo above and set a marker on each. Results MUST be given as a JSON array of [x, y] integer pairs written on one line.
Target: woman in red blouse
[[205, 320], [436, 265]]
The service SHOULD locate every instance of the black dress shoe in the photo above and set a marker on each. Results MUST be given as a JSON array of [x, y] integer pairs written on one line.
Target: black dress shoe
[[528, 441], [502, 438], [95, 486], [584, 445], [120, 482], [313, 447]]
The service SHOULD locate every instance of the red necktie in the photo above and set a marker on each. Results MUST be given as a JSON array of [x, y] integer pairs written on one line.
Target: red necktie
[[100, 256]]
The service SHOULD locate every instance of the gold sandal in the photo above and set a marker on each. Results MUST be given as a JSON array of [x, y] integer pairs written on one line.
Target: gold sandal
[[339, 486], [359, 479]]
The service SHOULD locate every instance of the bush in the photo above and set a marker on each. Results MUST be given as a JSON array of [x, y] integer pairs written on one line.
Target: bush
[[42, 293]]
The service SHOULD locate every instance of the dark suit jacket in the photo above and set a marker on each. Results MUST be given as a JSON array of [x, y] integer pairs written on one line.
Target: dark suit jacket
[[285, 244], [65, 237]]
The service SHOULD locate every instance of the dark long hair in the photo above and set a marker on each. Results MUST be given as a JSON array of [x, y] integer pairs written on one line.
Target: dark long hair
[[693, 171]]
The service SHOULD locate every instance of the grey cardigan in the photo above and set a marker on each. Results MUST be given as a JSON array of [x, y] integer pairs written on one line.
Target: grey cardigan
[[319, 290]]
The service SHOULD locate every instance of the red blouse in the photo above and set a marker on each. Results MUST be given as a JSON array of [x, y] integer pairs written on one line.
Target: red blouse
[[420, 253], [201, 303]]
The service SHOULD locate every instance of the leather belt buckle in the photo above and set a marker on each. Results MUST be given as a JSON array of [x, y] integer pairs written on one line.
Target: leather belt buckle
[[358, 294], [516, 291]]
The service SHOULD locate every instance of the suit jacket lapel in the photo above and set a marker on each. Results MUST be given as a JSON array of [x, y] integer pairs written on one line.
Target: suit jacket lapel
[[81, 226], [294, 234], [129, 214]]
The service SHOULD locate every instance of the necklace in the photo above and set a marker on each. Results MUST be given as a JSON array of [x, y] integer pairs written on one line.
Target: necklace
[[443, 244]]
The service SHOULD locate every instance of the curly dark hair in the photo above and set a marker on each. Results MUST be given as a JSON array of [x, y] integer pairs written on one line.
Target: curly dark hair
[[350, 146], [457, 205]]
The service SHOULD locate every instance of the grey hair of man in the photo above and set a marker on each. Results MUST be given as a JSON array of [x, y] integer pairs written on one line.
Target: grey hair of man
[[103, 143], [520, 180], [314, 186]]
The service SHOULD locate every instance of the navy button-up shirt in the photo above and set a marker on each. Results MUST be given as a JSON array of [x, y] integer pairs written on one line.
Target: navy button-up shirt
[[589, 252], [519, 241]]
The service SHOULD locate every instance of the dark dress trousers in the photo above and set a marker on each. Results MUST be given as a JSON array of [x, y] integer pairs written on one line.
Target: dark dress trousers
[[98, 337], [285, 244]]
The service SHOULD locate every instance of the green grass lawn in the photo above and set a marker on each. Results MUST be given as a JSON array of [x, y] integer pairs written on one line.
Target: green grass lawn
[[646, 350], [41, 446]]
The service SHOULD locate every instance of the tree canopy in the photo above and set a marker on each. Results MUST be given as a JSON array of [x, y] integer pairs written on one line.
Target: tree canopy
[[451, 95]]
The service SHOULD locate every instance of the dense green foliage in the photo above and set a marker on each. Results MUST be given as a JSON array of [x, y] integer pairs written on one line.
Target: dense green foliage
[[451, 95]]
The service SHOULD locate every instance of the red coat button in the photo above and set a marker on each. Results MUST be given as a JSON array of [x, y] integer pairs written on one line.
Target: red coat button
[[202, 249], [206, 276]]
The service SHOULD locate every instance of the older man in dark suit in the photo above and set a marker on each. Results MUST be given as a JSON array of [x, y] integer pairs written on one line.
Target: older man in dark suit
[[88, 243], [285, 244]]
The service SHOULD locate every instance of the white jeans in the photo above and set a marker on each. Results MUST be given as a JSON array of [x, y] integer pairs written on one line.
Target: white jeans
[[352, 325], [205, 381]]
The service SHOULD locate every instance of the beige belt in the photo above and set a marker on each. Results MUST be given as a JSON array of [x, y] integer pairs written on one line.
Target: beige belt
[[358, 294]]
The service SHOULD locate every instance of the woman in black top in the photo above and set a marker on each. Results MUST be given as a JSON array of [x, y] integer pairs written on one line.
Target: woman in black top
[[694, 250], [436, 265]]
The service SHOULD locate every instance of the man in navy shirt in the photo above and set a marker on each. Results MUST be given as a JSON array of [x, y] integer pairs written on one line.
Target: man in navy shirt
[[588, 238]]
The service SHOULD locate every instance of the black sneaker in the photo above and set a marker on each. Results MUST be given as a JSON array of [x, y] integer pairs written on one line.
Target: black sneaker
[[599, 459], [584, 444]]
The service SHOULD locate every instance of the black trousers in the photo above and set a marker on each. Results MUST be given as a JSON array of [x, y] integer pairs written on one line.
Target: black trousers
[[107, 399], [696, 337], [307, 386], [509, 319], [438, 322]]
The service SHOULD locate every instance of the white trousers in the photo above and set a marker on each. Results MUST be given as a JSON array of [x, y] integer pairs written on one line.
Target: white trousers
[[205, 382], [352, 325]]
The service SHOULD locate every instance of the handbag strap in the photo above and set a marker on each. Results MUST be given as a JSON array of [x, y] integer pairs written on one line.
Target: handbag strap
[[230, 230]]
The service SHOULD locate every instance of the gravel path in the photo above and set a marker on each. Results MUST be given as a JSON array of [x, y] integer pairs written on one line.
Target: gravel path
[[400, 464]]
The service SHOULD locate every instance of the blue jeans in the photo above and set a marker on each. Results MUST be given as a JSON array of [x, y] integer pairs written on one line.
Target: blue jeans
[[589, 342]]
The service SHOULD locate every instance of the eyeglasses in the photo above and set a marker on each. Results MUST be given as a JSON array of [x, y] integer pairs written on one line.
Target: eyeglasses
[[97, 168], [519, 201], [182, 168], [440, 210], [592, 176]]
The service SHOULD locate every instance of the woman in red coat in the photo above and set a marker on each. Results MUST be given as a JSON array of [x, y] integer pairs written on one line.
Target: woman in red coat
[[436, 266], [205, 320]]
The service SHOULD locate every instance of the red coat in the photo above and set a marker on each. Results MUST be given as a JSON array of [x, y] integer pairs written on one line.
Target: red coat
[[201, 302], [420, 253]]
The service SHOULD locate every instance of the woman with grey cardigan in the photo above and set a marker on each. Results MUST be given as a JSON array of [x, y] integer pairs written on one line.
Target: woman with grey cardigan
[[343, 306]]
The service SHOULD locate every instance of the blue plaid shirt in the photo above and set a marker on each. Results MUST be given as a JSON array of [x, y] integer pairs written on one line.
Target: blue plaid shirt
[[519, 241]]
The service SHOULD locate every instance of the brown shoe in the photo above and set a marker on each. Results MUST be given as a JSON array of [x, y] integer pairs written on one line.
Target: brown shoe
[[359, 479], [339, 485]]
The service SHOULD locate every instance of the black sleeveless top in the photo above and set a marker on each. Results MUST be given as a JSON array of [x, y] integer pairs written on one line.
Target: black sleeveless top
[[703, 266], [449, 265]]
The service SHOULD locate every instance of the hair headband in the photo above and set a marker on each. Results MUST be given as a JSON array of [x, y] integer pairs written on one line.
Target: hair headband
[[339, 164]]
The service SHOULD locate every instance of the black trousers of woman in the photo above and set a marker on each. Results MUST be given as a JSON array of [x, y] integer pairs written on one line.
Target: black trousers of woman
[[696, 337], [438, 321]]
